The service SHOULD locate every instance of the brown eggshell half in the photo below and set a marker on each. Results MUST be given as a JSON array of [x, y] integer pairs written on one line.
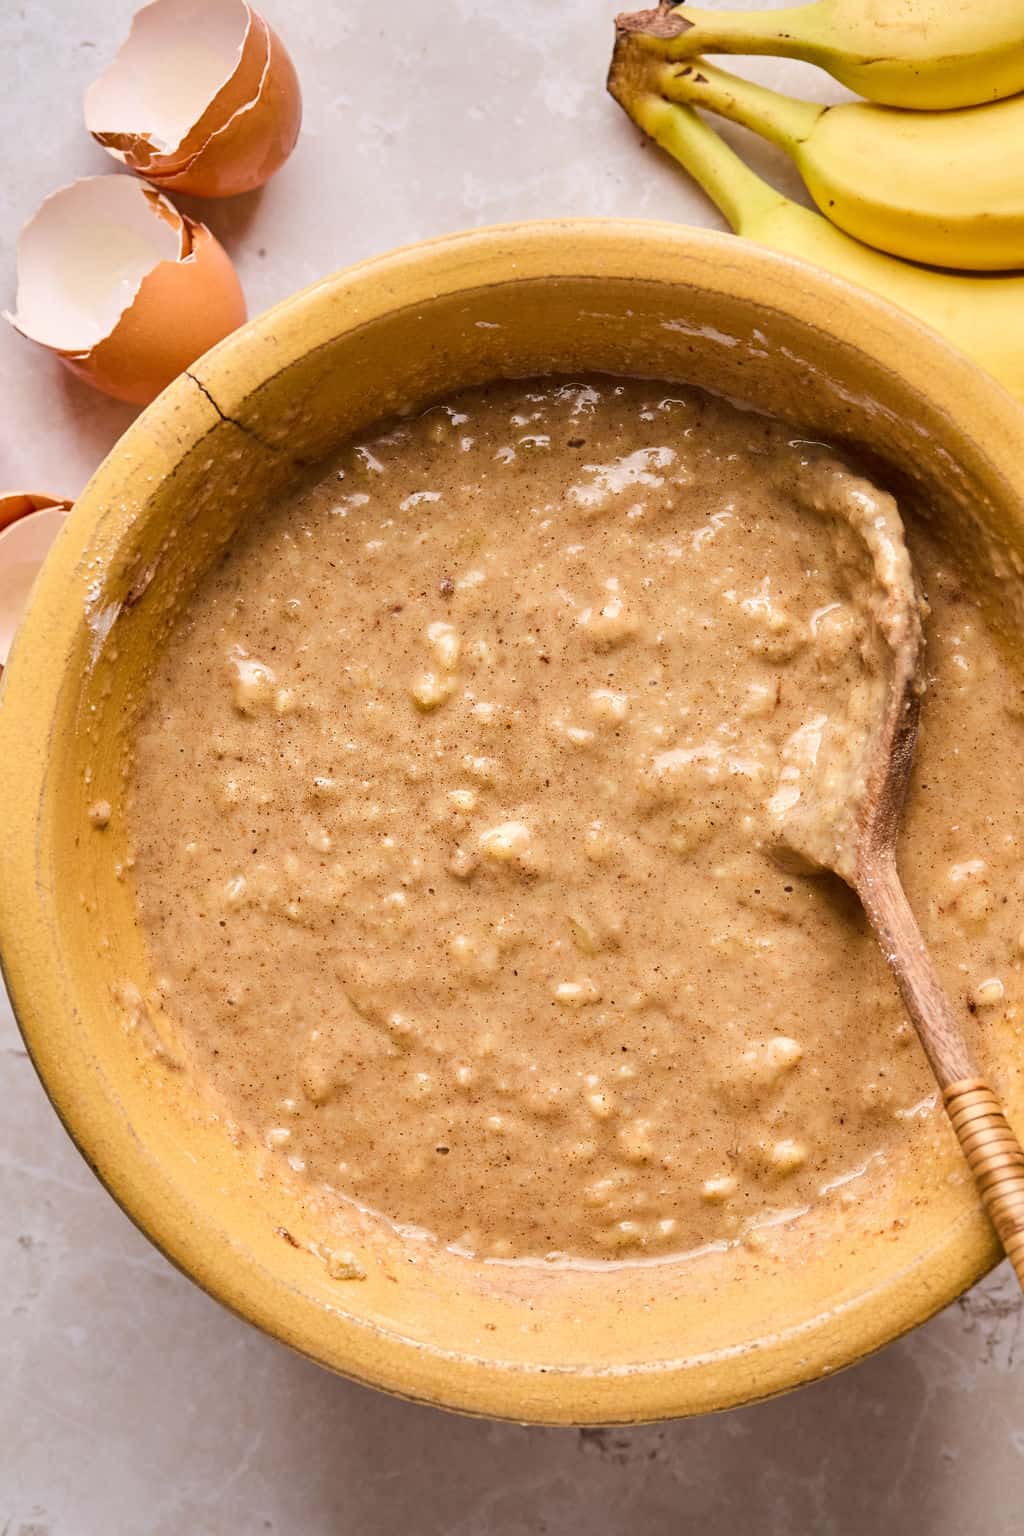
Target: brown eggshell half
[[256, 142], [247, 127], [181, 310], [25, 541], [122, 287], [237, 94], [16, 504], [181, 60]]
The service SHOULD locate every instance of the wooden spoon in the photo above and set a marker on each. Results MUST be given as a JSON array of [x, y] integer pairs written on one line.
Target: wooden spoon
[[857, 840]]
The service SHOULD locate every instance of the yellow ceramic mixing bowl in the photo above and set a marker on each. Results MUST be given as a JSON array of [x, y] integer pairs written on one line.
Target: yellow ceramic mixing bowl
[[528, 1343]]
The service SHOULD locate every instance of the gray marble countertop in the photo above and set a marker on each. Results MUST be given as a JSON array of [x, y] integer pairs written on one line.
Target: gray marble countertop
[[131, 1403]]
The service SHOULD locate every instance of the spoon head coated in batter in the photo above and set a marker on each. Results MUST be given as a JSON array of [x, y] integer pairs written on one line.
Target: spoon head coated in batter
[[844, 775]]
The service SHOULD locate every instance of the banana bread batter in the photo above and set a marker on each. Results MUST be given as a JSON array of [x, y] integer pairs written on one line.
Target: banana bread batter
[[454, 817]]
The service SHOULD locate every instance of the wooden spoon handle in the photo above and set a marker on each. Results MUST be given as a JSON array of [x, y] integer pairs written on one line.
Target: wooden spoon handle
[[992, 1150], [995, 1158]]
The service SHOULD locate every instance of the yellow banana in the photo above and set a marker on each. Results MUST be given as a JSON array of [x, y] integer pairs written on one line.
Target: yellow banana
[[938, 187], [983, 316], [905, 53]]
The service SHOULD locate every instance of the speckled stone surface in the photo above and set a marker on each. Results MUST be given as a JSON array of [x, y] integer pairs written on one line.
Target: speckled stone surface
[[129, 1402]]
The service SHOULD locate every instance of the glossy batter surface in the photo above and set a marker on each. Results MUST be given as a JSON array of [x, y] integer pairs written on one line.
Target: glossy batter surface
[[455, 809]]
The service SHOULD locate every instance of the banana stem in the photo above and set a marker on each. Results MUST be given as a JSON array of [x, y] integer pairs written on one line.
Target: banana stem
[[676, 32], [784, 120], [732, 186]]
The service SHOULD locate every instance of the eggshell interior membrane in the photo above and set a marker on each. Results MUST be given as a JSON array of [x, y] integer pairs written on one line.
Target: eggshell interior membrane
[[83, 256], [178, 58], [23, 548]]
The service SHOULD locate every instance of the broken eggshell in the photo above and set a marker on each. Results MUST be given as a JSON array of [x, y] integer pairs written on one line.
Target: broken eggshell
[[126, 290], [29, 523], [17, 504], [202, 98]]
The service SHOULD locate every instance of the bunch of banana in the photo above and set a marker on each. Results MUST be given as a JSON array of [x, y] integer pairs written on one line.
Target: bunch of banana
[[941, 187]]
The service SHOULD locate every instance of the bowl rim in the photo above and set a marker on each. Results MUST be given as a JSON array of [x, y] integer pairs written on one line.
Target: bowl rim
[[29, 943]]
